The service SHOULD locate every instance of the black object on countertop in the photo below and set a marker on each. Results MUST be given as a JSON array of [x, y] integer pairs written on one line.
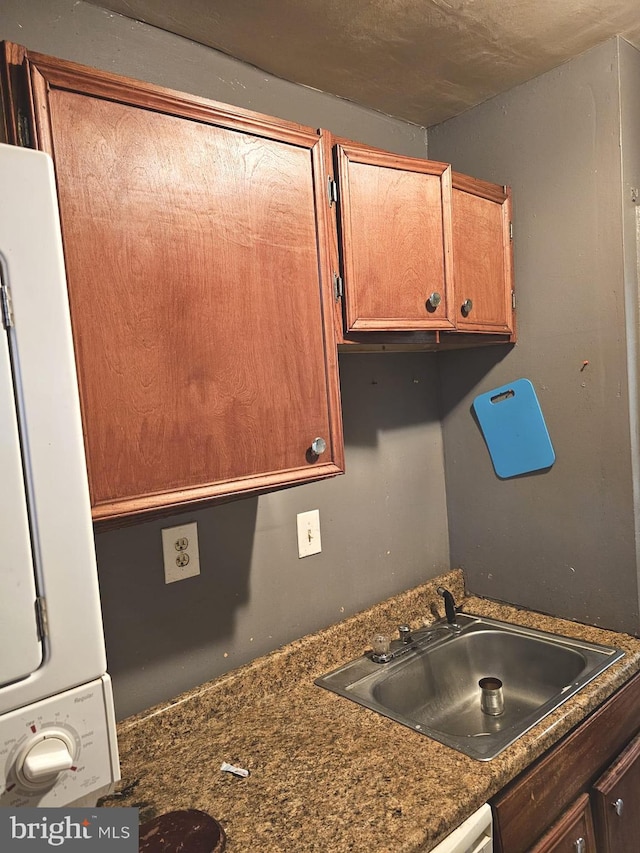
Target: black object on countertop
[[186, 831]]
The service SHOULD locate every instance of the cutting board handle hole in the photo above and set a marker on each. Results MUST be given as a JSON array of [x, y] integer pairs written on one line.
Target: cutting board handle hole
[[500, 398]]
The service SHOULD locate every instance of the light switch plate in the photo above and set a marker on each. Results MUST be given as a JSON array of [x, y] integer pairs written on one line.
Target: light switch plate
[[180, 552], [308, 524]]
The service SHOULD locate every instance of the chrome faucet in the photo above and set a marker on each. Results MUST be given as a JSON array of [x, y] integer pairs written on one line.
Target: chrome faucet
[[449, 607], [384, 649]]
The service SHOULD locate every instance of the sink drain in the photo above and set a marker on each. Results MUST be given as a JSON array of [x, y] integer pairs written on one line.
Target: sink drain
[[491, 698]]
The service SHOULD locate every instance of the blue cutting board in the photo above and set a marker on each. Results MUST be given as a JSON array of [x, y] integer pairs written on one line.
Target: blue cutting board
[[514, 429]]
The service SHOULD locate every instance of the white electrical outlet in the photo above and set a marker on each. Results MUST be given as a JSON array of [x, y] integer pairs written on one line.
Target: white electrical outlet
[[308, 524], [180, 551]]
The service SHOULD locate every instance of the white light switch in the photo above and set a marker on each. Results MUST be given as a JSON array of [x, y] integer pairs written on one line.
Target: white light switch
[[309, 533], [180, 552]]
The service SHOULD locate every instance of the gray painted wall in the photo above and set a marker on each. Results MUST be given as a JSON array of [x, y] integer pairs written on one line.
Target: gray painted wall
[[384, 523], [561, 541]]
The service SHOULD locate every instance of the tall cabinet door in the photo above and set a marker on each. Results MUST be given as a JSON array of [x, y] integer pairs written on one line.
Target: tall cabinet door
[[482, 256], [196, 246], [616, 803], [395, 239]]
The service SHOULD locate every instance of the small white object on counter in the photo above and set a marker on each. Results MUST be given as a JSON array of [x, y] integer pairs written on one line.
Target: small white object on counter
[[237, 771]]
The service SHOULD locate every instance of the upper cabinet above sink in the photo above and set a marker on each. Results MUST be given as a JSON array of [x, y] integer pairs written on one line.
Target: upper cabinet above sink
[[394, 223], [482, 265], [424, 254]]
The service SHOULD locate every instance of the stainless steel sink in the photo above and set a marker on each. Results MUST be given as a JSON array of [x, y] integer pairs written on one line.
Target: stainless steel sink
[[431, 683]]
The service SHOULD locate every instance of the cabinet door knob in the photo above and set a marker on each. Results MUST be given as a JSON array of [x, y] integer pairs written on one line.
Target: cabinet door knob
[[580, 845], [618, 806], [318, 446], [433, 301], [466, 307]]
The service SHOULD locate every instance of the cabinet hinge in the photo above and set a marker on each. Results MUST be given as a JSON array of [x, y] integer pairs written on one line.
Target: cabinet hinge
[[5, 306], [513, 300], [338, 288], [332, 191], [42, 617], [511, 230], [24, 131]]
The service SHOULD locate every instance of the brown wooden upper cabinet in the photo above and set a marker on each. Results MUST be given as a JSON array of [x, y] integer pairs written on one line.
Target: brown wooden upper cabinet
[[482, 256], [420, 250], [394, 222], [200, 287]]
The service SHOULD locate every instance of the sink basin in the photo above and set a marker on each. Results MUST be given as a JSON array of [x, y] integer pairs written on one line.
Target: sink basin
[[432, 683]]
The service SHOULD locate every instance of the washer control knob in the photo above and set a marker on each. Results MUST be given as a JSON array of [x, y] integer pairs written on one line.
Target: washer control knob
[[44, 758]]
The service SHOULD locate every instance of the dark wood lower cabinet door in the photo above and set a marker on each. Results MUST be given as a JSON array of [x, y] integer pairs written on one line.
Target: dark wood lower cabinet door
[[616, 803], [572, 833]]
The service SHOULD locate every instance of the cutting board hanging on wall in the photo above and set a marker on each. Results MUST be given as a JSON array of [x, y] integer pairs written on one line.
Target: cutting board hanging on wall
[[514, 429]]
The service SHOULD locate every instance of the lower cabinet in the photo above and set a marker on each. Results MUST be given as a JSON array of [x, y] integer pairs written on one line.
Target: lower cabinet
[[615, 801], [583, 795], [572, 833]]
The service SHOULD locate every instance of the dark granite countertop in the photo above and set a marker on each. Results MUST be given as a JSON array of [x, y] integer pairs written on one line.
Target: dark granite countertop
[[327, 774]]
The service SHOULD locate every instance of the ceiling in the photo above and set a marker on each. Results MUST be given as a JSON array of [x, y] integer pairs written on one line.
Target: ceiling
[[419, 60]]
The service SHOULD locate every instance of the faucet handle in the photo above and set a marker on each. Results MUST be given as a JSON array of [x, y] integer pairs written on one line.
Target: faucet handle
[[404, 632], [449, 605], [381, 648]]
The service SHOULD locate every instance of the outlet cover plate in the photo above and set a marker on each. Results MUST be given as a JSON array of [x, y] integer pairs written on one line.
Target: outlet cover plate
[[180, 552], [308, 524]]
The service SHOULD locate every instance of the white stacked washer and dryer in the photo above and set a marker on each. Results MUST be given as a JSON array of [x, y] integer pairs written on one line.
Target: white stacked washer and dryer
[[57, 726]]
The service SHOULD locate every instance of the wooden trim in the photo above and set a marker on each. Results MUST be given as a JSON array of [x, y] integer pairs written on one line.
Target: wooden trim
[[507, 221], [464, 339], [446, 195], [144, 507], [14, 91], [320, 169], [73, 77], [475, 186], [41, 118], [366, 155]]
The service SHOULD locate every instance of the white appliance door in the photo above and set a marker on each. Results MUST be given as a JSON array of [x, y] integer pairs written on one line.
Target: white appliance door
[[475, 835], [50, 428], [20, 647]]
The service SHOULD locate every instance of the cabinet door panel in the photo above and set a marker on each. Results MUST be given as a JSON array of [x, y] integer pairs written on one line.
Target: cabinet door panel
[[616, 803], [395, 239], [573, 833], [198, 279], [482, 265]]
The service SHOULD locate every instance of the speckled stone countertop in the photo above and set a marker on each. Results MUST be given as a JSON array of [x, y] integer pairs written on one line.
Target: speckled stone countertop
[[327, 774]]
